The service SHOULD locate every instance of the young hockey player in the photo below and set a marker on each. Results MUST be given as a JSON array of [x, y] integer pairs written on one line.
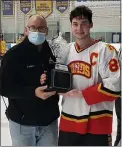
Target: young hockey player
[[87, 110]]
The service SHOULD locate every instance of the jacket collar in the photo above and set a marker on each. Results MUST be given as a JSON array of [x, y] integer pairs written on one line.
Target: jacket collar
[[26, 42]]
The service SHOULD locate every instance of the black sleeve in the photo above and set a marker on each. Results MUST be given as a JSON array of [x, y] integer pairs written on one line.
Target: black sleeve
[[9, 75]]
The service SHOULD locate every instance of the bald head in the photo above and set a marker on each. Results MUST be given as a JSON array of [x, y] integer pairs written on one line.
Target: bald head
[[37, 17], [36, 22]]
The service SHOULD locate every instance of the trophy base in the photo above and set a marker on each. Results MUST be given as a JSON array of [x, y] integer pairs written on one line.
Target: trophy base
[[58, 90], [59, 81]]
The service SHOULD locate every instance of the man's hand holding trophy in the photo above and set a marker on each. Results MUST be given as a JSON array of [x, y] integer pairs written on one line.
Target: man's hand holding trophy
[[61, 78]]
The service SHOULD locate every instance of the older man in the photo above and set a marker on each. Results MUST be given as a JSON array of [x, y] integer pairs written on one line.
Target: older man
[[32, 113]]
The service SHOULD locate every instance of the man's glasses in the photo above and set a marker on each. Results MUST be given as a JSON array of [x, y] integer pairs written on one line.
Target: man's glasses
[[34, 29]]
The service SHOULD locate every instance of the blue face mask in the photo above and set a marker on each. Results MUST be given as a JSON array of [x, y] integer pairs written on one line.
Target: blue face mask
[[36, 38]]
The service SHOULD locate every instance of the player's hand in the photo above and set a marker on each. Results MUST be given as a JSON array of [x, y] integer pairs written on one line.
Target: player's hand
[[72, 93], [43, 78], [39, 92]]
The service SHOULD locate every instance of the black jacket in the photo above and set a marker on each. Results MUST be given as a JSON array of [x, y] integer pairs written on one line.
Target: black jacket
[[20, 72]]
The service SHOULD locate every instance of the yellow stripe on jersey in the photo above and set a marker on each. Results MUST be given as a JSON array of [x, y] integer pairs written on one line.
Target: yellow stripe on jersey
[[101, 115], [75, 120], [86, 119], [106, 92]]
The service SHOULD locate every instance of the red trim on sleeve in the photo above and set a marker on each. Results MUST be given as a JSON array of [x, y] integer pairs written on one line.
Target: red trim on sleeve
[[93, 95]]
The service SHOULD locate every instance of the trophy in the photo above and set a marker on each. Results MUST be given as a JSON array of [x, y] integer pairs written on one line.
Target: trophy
[[60, 79]]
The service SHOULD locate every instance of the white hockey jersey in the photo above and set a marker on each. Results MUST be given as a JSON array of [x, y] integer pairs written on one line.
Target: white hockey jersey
[[96, 72]]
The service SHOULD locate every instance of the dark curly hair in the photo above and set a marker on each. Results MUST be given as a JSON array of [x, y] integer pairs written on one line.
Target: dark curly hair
[[81, 11]]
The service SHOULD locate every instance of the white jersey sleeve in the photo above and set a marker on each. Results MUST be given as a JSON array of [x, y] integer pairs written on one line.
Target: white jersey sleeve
[[109, 70]]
